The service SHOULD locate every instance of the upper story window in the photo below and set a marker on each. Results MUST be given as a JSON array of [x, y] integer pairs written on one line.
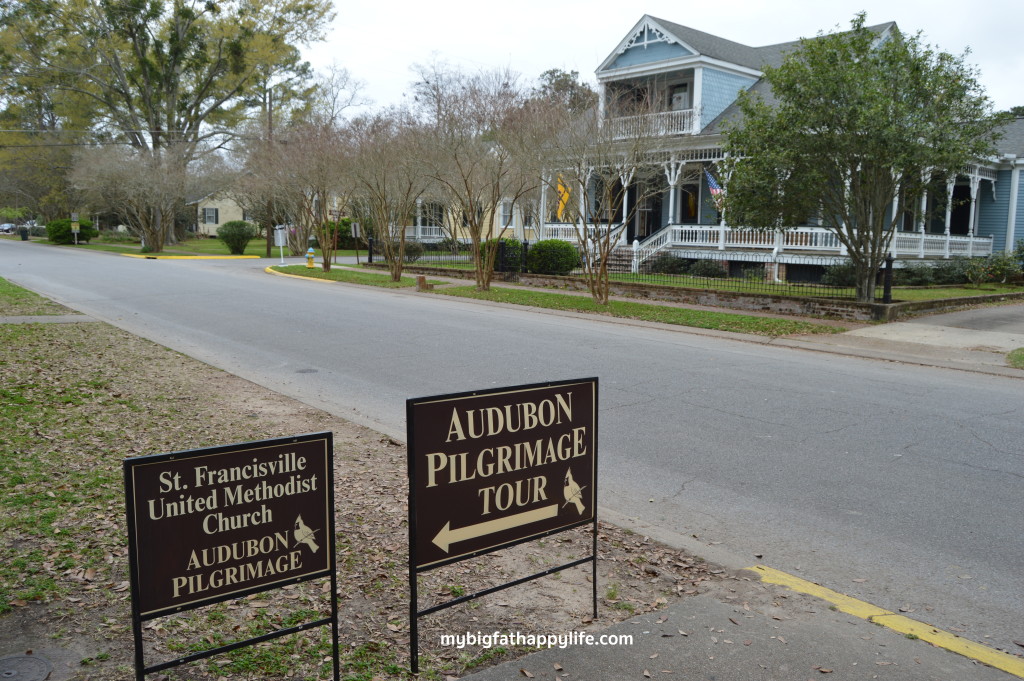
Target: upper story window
[[679, 97]]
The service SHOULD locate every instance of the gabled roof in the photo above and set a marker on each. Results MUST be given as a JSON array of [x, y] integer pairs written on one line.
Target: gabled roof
[[1012, 141], [702, 44]]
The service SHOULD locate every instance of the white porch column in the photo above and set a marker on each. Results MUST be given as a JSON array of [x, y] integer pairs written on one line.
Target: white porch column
[[673, 171], [1011, 214], [949, 210], [971, 220], [419, 219], [542, 208], [626, 179], [922, 222]]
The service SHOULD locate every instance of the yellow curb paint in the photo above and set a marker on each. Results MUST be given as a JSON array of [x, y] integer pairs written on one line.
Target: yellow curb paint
[[147, 256], [850, 606], [904, 625], [943, 639], [271, 270]]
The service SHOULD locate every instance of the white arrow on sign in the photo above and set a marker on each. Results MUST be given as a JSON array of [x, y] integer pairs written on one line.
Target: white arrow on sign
[[448, 536]]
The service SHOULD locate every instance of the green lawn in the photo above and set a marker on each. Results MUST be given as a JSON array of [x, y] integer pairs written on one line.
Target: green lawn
[[347, 276], [940, 293], [722, 321], [1016, 358], [17, 302], [202, 246]]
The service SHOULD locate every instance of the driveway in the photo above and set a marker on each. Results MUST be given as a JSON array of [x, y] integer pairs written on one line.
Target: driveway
[[990, 329]]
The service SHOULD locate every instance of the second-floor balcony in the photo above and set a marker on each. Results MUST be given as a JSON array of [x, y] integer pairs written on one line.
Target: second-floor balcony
[[660, 124]]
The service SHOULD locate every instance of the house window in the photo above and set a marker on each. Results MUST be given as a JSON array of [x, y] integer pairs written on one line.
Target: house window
[[506, 213], [679, 97], [210, 216]]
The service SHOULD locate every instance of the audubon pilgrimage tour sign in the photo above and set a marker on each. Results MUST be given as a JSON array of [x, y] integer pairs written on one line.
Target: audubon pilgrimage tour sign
[[211, 524], [494, 468]]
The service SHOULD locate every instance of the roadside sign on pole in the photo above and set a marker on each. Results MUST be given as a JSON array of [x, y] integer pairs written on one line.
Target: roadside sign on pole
[[495, 468], [209, 525], [490, 469]]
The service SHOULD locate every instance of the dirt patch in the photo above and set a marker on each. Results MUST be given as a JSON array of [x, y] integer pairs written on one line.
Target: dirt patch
[[78, 398]]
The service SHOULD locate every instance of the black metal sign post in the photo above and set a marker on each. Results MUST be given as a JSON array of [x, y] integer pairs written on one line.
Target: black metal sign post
[[215, 524], [495, 468]]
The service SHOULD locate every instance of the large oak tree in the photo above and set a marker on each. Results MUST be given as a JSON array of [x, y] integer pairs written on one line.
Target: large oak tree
[[167, 78]]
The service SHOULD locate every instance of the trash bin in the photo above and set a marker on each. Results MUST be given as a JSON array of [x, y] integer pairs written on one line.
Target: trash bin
[[24, 233]]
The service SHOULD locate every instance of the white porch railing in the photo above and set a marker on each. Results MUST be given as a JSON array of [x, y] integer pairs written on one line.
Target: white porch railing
[[799, 239], [568, 232], [664, 123], [424, 232]]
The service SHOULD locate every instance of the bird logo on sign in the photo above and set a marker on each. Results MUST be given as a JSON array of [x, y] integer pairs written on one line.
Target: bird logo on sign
[[573, 493], [304, 535]]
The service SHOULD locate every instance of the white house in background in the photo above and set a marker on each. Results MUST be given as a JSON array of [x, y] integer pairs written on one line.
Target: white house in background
[[696, 78], [214, 210]]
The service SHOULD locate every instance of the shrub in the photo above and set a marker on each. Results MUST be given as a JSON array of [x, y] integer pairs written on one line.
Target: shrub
[[842, 275], [513, 253], [754, 273], [413, 251], [113, 236], [953, 271], [914, 274], [450, 245], [709, 269], [552, 256], [59, 232], [236, 235], [1003, 267], [341, 231], [37, 230], [666, 263], [977, 271]]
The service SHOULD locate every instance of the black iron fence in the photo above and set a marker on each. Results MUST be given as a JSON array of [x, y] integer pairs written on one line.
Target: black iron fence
[[806, 276]]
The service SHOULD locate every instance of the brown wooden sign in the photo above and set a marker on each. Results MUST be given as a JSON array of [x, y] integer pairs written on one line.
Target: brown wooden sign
[[211, 524], [494, 468]]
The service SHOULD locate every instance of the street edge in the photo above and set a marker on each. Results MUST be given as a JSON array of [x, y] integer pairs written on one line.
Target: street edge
[[146, 256], [904, 625]]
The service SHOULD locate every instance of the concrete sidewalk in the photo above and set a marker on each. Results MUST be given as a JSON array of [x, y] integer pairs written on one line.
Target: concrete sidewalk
[[921, 344], [742, 629]]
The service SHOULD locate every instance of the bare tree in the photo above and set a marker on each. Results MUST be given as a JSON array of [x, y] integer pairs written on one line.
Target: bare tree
[[387, 178], [601, 174], [481, 148], [141, 191]]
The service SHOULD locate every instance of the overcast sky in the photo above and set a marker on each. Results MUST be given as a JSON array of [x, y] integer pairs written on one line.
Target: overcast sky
[[379, 41]]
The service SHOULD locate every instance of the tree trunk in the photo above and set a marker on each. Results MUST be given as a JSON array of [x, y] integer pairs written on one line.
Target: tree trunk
[[866, 285]]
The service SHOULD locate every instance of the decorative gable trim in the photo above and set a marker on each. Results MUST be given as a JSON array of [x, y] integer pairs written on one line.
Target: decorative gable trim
[[640, 37]]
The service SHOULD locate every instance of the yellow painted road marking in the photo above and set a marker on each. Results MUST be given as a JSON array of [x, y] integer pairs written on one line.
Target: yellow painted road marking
[[904, 625], [152, 256]]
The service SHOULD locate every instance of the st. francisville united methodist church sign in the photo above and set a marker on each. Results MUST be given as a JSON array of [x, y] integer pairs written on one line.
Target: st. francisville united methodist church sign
[[208, 525]]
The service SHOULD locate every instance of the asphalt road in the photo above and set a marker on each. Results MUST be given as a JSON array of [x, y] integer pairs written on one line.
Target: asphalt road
[[899, 485]]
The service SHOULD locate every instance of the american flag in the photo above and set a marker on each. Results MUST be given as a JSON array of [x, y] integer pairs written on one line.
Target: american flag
[[716, 189], [717, 194]]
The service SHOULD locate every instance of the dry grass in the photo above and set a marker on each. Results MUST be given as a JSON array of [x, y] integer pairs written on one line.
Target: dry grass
[[78, 398]]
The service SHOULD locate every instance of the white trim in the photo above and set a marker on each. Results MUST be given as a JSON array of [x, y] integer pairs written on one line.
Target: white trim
[[666, 65], [1011, 215]]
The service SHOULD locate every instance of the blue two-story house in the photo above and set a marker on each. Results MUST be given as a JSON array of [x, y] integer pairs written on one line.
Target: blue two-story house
[[693, 79]]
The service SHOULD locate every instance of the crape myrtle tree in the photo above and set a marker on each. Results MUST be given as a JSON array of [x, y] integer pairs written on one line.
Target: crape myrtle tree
[[165, 78], [387, 178], [600, 174], [855, 122], [296, 121], [480, 144]]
